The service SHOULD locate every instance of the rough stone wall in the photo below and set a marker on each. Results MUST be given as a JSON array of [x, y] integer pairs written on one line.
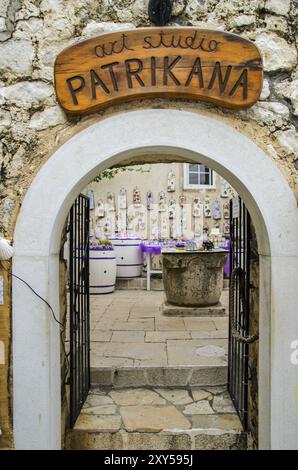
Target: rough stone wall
[[33, 32]]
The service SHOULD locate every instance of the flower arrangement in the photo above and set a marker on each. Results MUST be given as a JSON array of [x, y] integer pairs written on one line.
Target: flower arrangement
[[101, 245]]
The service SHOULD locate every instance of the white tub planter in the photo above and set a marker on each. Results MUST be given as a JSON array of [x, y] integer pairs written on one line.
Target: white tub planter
[[102, 271], [129, 256]]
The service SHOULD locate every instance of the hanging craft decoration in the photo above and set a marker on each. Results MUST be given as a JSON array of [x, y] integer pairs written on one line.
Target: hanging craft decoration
[[216, 210], [224, 188], [141, 224], [162, 202], [121, 221], [136, 197], [130, 218], [100, 209], [172, 209], [91, 229], [171, 181], [90, 196], [164, 231], [111, 202], [154, 226], [122, 199], [215, 234], [198, 227], [196, 207], [107, 227], [226, 228], [207, 209], [226, 210], [149, 200], [181, 200], [98, 231]]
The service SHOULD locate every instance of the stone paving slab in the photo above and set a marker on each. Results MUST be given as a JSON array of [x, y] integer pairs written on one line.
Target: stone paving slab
[[163, 336], [128, 329], [202, 352], [159, 418], [128, 336], [153, 419], [150, 354]]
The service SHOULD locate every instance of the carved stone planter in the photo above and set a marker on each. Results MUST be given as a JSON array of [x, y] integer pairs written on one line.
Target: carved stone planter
[[193, 278]]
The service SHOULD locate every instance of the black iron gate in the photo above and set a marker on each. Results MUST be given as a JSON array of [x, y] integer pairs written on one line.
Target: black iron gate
[[79, 305], [240, 254]]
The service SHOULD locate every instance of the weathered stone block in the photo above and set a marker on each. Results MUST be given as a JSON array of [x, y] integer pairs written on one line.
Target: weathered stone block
[[170, 376], [102, 376], [277, 54], [157, 441], [138, 396], [130, 378], [209, 376], [152, 419], [16, 56], [81, 440], [220, 441]]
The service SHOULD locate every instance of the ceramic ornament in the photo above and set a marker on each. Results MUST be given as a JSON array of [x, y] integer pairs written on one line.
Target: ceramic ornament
[[226, 210], [171, 181], [136, 197], [111, 202], [6, 251], [130, 218], [149, 200], [90, 196], [100, 209], [207, 208], [226, 228], [122, 199], [224, 188], [196, 207], [162, 202], [164, 231], [154, 226], [216, 210], [172, 209], [181, 200], [198, 227], [141, 224], [98, 232], [91, 229]]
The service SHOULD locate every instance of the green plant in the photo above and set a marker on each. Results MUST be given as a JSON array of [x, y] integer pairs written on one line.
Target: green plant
[[111, 173]]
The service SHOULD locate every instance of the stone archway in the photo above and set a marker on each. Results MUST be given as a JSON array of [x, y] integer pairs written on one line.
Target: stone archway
[[36, 348]]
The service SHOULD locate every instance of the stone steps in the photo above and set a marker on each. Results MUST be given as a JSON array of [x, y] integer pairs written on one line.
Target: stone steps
[[159, 376], [188, 418]]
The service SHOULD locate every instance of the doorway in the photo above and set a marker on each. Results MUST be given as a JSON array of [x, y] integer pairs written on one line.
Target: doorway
[[121, 138]]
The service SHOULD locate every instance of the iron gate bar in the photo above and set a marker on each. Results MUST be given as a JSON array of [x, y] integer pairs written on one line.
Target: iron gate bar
[[240, 233], [79, 305]]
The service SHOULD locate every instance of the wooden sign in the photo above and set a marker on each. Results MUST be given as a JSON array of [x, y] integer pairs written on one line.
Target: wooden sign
[[191, 63]]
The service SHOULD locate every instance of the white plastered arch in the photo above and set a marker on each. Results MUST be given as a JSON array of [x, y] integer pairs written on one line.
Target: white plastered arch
[[36, 349]]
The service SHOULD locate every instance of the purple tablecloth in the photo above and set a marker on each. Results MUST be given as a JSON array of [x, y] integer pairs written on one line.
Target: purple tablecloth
[[154, 248], [227, 265]]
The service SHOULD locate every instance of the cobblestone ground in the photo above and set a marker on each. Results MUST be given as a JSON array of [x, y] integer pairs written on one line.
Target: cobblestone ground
[[129, 329], [153, 410], [158, 418]]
